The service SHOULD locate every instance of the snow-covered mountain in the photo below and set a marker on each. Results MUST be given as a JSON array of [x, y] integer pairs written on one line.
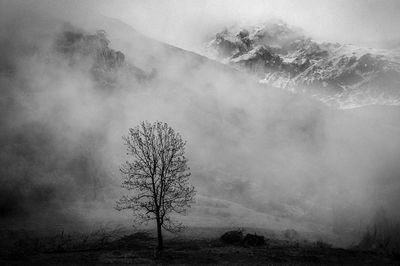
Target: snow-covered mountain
[[340, 75]]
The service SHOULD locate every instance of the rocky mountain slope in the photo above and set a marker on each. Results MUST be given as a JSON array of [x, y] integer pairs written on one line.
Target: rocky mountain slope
[[341, 75], [105, 65]]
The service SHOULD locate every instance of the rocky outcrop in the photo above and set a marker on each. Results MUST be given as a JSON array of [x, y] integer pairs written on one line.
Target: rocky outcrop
[[106, 64]]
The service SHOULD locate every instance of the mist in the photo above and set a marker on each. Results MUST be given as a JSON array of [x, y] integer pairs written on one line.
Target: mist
[[259, 156]]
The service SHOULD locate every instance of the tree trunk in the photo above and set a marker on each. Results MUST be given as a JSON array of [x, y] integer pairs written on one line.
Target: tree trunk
[[159, 235]]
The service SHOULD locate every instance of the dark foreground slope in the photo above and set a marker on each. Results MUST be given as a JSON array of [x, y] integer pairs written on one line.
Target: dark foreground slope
[[110, 248]]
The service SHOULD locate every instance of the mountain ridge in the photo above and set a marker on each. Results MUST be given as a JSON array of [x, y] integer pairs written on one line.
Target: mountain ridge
[[340, 75]]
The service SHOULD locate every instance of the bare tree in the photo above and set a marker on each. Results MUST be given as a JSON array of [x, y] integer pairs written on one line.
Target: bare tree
[[157, 176]]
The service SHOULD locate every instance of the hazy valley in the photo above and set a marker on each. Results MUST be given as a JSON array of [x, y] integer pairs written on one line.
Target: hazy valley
[[287, 137]]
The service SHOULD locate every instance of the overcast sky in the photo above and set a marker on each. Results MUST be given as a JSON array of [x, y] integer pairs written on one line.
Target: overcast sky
[[184, 22]]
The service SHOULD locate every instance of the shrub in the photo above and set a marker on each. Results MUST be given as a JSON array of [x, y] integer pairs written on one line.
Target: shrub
[[253, 240], [233, 237]]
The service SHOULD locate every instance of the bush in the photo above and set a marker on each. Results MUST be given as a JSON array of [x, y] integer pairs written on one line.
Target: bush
[[233, 237], [253, 240]]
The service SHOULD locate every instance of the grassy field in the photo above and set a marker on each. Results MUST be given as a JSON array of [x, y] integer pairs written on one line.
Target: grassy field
[[117, 247]]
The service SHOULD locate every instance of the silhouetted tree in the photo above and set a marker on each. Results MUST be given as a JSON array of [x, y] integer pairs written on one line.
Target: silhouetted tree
[[157, 176]]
